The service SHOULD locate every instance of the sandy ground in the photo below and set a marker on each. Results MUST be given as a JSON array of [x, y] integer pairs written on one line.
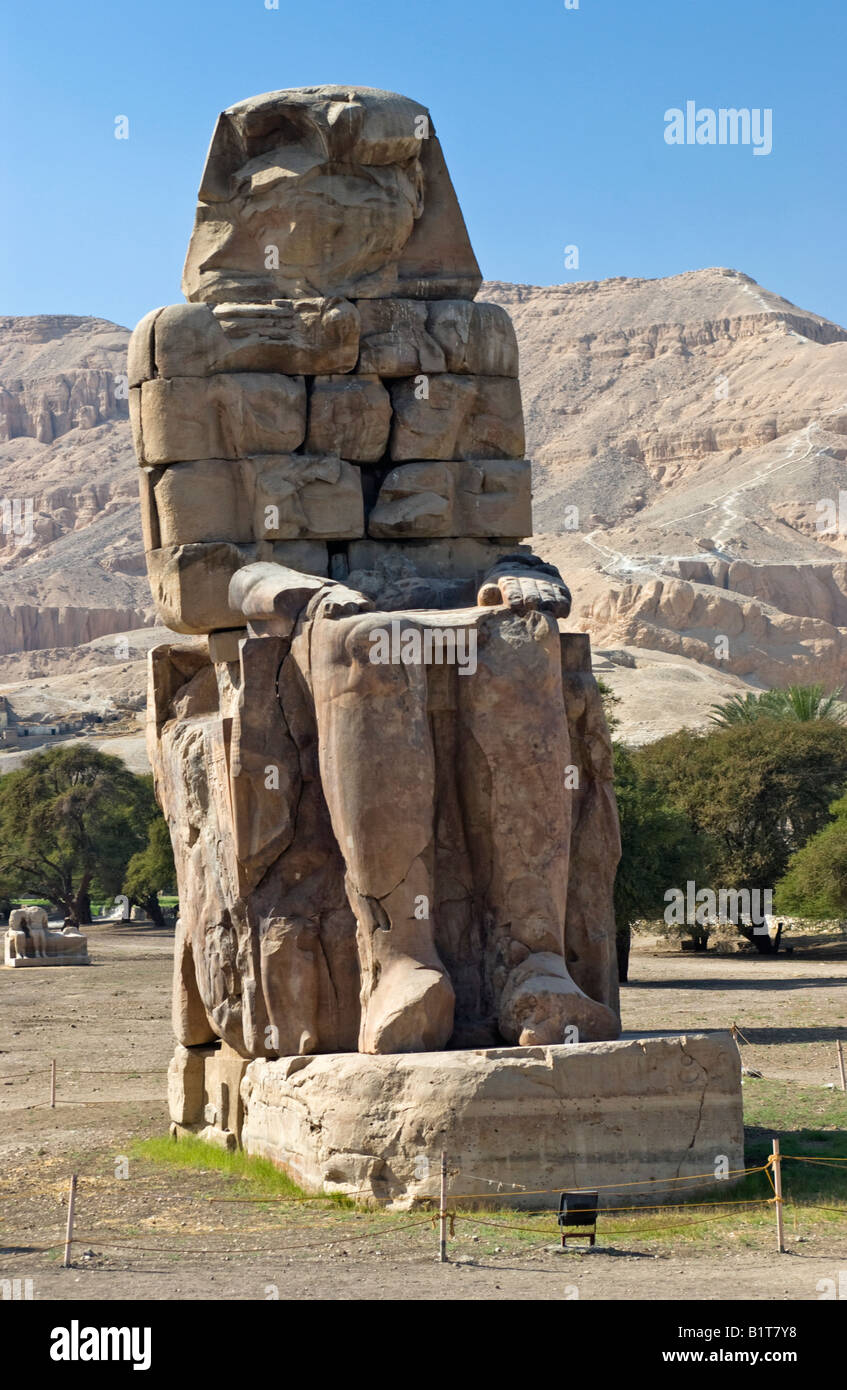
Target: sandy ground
[[791, 1010], [108, 1027]]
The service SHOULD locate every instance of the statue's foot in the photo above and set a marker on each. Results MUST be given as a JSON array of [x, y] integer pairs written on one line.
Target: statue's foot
[[541, 1004], [411, 1010]]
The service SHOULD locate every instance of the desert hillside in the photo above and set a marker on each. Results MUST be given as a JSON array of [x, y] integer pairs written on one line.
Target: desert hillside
[[71, 560], [683, 433]]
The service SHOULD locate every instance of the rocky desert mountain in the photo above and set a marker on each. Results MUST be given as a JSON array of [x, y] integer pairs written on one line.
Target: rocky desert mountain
[[71, 560], [686, 435]]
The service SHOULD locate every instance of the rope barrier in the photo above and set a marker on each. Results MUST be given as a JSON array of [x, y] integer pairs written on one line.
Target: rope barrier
[[433, 1197], [93, 1071], [334, 1235], [620, 1230], [523, 1192], [342, 1238], [83, 1071], [247, 1250], [652, 1206], [802, 1158], [515, 1186], [616, 1186]]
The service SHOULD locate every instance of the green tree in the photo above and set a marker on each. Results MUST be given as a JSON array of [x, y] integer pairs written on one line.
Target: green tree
[[150, 870], [70, 820], [659, 851], [798, 702], [754, 793], [815, 884]]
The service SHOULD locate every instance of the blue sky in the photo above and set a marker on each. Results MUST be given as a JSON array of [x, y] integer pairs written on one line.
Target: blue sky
[[552, 121]]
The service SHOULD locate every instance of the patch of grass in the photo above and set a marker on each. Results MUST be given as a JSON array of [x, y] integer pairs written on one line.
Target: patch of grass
[[258, 1176], [786, 1106], [794, 1113]]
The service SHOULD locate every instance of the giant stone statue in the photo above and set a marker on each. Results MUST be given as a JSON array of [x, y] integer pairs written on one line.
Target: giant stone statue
[[386, 773]]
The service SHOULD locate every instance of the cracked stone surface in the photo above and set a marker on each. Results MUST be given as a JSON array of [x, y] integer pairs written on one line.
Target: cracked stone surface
[[542, 1117]]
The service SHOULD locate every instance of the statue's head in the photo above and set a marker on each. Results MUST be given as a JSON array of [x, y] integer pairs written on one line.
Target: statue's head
[[323, 191]]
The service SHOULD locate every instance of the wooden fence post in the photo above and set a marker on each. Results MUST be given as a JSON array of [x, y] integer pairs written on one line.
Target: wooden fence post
[[442, 1223], [69, 1233], [777, 1183]]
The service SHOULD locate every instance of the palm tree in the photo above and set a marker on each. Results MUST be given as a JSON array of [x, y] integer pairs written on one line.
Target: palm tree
[[744, 709], [806, 702], [797, 702]]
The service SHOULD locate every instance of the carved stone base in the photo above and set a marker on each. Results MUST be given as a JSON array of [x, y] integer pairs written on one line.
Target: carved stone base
[[204, 1094], [28, 962], [594, 1115], [20, 952]]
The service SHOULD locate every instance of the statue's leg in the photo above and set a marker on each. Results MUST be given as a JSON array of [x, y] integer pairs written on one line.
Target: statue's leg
[[514, 731], [378, 774], [595, 831]]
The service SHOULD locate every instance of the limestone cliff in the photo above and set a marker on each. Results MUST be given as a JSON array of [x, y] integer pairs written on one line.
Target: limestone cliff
[[686, 435], [70, 554]]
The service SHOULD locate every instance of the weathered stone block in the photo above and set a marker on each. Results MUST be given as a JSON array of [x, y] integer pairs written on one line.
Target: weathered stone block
[[227, 416], [135, 422], [140, 359], [268, 498], [307, 556], [589, 1115], [463, 558], [475, 338], [350, 186], [457, 417], [190, 584], [488, 498], [224, 1070], [404, 337], [186, 1083], [298, 495], [395, 341], [204, 500], [349, 416], [294, 337], [224, 646], [147, 501]]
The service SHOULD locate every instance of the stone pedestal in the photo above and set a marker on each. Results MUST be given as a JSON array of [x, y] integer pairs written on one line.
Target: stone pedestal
[[204, 1094], [593, 1115], [22, 952]]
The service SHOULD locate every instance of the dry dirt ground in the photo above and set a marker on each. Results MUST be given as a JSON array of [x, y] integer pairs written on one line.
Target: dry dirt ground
[[107, 1026]]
